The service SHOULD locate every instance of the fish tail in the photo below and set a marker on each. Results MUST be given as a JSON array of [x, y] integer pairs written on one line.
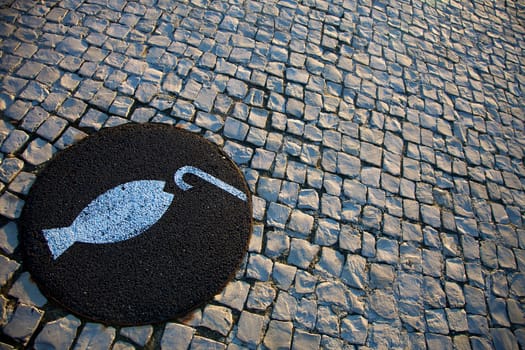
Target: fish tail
[[59, 240]]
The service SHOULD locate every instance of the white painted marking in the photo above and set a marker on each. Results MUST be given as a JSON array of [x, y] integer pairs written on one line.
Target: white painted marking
[[206, 177], [125, 211], [118, 214]]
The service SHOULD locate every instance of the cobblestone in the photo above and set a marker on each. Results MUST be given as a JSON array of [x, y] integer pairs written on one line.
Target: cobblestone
[[261, 296], [9, 169], [234, 295], [95, 335], [383, 143], [259, 267], [302, 253], [11, 205], [23, 323], [277, 244], [217, 318], [139, 335], [58, 334], [250, 328], [8, 269], [278, 335], [9, 237], [305, 340], [176, 336], [14, 142], [27, 292]]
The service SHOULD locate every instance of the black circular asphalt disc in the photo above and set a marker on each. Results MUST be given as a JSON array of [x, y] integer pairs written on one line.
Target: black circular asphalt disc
[[136, 224]]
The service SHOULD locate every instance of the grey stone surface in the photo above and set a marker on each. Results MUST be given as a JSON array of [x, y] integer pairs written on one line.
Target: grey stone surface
[[72, 46], [330, 262], [23, 323], [140, 335], [9, 237], [9, 168], [58, 334], [278, 335], [436, 321], [93, 119], [354, 272], [250, 329], [285, 307], [240, 154], [354, 329], [14, 141], [306, 313], [72, 109], [383, 304], [70, 137], [327, 322], [176, 336], [382, 143], [38, 151], [217, 318], [503, 339], [302, 253], [259, 267], [305, 340], [201, 343], [7, 269], [95, 336], [283, 275], [26, 291], [301, 222], [277, 244], [262, 159], [308, 199], [234, 295], [455, 294], [327, 232], [209, 121], [278, 215], [235, 129], [333, 293], [120, 345], [10, 205], [261, 296], [121, 106]]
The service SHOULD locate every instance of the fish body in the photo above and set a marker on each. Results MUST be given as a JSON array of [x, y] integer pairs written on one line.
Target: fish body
[[118, 214]]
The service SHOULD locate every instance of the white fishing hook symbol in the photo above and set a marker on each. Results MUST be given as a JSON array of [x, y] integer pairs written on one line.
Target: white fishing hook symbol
[[206, 177]]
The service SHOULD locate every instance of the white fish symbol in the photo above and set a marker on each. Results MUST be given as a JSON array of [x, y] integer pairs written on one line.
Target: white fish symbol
[[118, 214]]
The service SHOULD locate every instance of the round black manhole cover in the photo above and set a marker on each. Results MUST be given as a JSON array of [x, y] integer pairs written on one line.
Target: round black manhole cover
[[136, 224]]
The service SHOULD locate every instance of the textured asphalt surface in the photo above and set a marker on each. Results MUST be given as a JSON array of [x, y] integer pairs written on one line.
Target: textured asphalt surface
[[187, 243], [383, 143]]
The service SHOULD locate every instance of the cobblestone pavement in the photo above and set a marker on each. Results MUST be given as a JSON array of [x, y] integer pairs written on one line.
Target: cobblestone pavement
[[383, 142]]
